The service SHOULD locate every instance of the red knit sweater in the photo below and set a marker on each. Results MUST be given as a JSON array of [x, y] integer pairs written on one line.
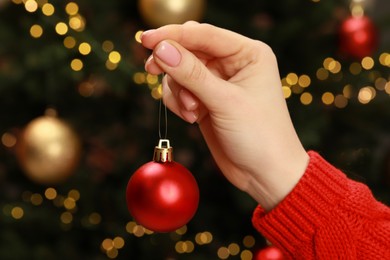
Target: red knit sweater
[[327, 216]]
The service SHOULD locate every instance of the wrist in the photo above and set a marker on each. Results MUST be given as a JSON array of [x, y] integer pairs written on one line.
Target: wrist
[[271, 187]]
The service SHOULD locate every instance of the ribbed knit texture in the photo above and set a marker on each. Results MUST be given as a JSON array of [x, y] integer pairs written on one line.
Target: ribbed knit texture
[[327, 216]]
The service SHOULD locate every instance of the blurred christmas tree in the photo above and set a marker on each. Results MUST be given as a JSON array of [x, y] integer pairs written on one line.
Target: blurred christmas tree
[[62, 185]]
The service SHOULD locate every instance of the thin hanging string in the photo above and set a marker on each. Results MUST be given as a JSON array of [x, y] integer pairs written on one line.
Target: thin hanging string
[[165, 119]]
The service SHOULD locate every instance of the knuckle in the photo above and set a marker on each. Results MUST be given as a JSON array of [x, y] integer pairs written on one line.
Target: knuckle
[[196, 72]]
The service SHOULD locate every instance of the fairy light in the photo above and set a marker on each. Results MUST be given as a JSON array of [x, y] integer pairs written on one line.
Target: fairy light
[[48, 9], [286, 92], [304, 81], [366, 94], [322, 74], [151, 79], [380, 83], [138, 231], [76, 64], [355, 68], [74, 194], [110, 65], [50, 193], [107, 244], [118, 242], [223, 252], [31, 6], [107, 46], [292, 79], [248, 241], [246, 255], [77, 23], [184, 247], [139, 78], [66, 217], [347, 91], [36, 199], [334, 67], [130, 226], [61, 28], [326, 62], [112, 253], [387, 87], [384, 59], [8, 140], [72, 8], [327, 98], [306, 98], [36, 31], [69, 42], [110, 246], [340, 101], [182, 230], [234, 249], [296, 89], [203, 238], [94, 218], [137, 36], [17, 212], [157, 92], [368, 63], [114, 57], [69, 203], [85, 48]]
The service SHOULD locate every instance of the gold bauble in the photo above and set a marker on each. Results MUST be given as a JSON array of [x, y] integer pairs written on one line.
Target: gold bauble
[[157, 13], [48, 150]]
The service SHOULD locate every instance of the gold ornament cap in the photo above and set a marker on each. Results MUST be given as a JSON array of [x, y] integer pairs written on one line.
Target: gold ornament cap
[[163, 152]]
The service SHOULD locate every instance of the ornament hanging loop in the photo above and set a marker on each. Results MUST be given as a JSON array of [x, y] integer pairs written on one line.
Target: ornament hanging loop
[[164, 110], [163, 152]]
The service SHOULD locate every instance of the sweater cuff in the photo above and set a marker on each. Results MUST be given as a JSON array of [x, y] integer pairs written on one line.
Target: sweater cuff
[[294, 221]]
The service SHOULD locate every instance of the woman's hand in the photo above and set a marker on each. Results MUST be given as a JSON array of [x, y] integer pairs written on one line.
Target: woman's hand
[[231, 86]]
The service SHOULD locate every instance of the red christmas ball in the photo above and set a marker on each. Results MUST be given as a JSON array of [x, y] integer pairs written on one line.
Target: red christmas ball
[[269, 253], [358, 37], [162, 196]]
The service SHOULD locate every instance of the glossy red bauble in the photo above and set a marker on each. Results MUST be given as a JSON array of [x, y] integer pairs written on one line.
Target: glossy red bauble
[[358, 37], [162, 196], [269, 253]]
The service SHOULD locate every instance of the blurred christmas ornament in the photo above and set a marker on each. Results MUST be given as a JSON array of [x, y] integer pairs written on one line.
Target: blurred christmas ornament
[[269, 253], [162, 195], [157, 13], [358, 37], [48, 150]]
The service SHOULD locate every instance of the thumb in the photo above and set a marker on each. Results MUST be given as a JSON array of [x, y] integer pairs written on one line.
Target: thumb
[[189, 71]]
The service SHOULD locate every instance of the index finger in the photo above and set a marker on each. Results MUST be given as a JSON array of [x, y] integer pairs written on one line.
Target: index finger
[[205, 38]]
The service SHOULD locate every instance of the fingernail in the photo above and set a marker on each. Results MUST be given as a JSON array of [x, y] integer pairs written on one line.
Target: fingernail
[[146, 33], [168, 54], [190, 116], [188, 100]]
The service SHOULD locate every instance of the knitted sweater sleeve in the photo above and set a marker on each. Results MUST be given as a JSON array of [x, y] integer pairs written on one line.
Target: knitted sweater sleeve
[[327, 216]]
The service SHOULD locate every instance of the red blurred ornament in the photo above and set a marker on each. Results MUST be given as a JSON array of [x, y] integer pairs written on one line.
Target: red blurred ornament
[[162, 195], [358, 37], [269, 253]]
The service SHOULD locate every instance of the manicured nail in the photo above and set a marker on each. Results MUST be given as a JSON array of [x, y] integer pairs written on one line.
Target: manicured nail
[[188, 100], [190, 116], [168, 54], [146, 33]]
